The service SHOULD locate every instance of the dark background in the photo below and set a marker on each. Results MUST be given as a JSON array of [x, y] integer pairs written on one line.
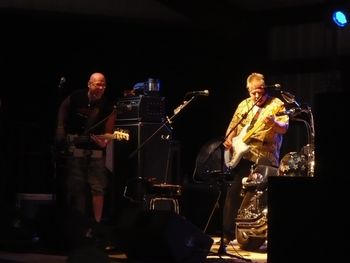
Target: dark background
[[210, 46]]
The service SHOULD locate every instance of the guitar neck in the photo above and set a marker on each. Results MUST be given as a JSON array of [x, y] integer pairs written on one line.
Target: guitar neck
[[116, 135], [258, 123], [251, 131]]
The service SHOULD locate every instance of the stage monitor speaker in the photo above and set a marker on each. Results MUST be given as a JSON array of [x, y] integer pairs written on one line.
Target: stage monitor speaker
[[204, 216], [163, 236], [88, 254], [296, 226]]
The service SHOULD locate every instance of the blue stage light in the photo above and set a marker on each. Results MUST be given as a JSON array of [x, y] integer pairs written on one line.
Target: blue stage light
[[339, 18]]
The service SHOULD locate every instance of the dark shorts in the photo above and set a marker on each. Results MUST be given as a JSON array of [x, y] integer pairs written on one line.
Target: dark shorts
[[85, 170]]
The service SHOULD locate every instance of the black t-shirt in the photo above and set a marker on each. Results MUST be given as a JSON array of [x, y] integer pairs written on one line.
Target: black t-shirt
[[85, 117]]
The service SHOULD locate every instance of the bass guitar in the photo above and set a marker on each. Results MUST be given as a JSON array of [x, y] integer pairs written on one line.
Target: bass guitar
[[119, 135], [73, 141]]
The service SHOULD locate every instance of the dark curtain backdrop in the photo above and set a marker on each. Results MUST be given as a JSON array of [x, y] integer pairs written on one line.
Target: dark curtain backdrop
[[39, 48]]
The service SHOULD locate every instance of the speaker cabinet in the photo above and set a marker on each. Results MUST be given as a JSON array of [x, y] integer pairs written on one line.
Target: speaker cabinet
[[163, 236], [146, 156], [149, 155], [330, 121]]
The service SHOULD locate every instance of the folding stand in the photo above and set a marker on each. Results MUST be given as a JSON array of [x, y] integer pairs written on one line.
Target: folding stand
[[223, 183]]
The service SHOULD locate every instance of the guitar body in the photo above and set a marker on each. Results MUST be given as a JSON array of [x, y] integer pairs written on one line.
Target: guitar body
[[239, 148]]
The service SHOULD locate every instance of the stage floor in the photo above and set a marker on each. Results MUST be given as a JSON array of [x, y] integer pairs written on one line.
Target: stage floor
[[235, 255]]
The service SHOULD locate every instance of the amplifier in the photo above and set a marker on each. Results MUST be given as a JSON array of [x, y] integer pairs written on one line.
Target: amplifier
[[141, 108]]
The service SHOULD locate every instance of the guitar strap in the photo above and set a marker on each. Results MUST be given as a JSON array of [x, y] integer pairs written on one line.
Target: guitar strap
[[91, 120], [83, 139], [255, 118]]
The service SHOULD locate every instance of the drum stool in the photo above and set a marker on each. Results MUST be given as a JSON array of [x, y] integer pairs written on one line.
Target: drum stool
[[165, 192]]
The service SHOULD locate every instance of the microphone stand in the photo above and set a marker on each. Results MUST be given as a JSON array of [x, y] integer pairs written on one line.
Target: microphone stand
[[223, 186], [310, 128]]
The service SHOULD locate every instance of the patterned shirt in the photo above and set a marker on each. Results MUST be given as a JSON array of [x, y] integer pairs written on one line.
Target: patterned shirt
[[264, 142]]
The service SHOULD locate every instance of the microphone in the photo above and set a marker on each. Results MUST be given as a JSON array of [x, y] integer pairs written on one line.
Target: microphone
[[276, 87], [198, 93], [62, 82]]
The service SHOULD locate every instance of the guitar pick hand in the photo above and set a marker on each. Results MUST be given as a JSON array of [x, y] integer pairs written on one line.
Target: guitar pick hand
[[269, 120], [100, 141]]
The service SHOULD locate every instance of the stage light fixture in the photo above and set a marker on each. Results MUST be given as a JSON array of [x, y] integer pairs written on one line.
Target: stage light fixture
[[340, 18]]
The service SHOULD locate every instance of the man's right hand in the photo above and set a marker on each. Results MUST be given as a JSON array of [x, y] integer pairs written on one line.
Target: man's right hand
[[228, 143]]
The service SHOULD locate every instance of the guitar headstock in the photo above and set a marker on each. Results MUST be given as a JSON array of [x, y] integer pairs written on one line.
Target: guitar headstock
[[121, 135]]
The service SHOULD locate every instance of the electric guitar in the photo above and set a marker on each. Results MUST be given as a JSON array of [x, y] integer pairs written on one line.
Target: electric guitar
[[119, 135], [240, 143]]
